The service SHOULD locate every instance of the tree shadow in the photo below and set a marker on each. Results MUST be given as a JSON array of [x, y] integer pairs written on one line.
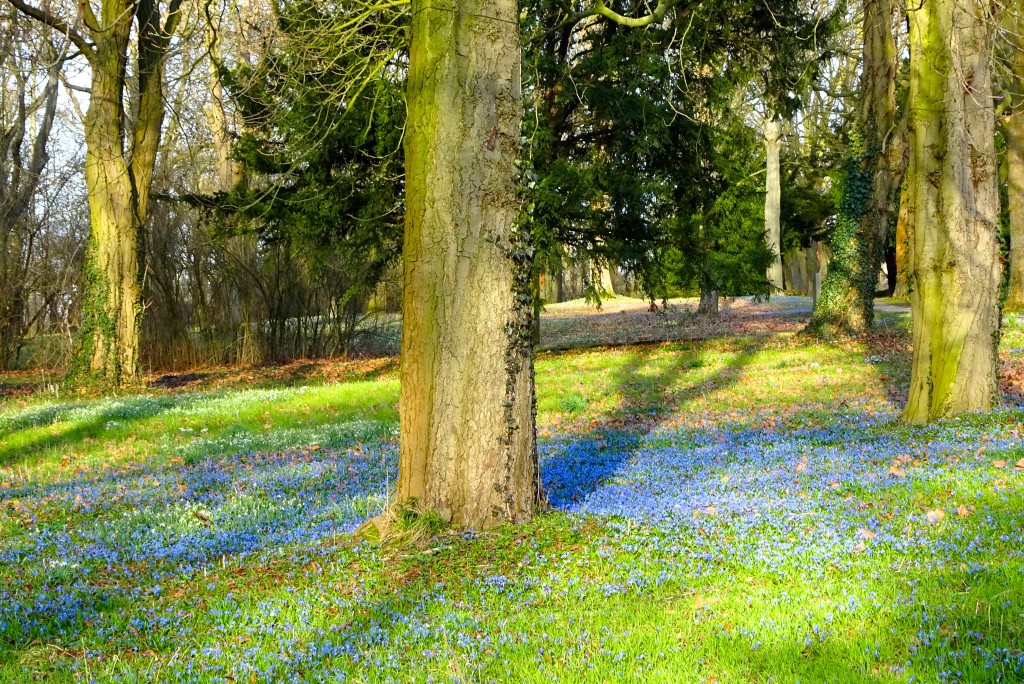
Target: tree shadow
[[575, 465], [55, 425]]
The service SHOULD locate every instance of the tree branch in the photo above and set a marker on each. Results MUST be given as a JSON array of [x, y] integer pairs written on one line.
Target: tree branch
[[656, 16], [57, 24]]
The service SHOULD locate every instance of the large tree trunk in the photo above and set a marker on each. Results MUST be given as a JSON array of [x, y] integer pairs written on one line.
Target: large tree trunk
[[773, 199], [955, 203], [602, 278], [229, 171], [846, 304], [112, 307], [468, 440]]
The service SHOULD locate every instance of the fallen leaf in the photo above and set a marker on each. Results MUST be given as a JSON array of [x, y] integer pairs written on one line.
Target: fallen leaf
[[962, 511], [936, 516], [1020, 464], [999, 464], [701, 601], [864, 533], [896, 471]]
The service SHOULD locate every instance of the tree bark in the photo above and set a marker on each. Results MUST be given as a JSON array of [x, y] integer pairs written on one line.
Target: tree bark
[[708, 305], [229, 171], [903, 243], [954, 256], [773, 199], [603, 280], [112, 304], [468, 438], [846, 303], [1013, 132]]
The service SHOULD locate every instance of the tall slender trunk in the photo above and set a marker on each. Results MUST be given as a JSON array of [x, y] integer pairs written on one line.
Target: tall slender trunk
[[29, 126], [903, 243], [1013, 132], [955, 204], [773, 199], [468, 438], [846, 303], [229, 171]]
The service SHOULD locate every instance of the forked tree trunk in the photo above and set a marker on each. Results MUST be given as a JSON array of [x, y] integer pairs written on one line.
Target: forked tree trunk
[[773, 200], [953, 179], [112, 306], [846, 303], [468, 441]]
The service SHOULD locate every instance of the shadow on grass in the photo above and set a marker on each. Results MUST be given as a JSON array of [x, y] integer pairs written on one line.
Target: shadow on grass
[[37, 430], [575, 465]]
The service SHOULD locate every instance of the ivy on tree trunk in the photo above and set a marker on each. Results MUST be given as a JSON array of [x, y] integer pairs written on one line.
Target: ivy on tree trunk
[[846, 303]]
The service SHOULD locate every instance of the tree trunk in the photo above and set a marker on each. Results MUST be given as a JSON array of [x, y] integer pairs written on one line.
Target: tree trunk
[[903, 243], [708, 299], [229, 171], [468, 438], [955, 203], [846, 303], [29, 126], [112, 307], [773, 200], [1013, 132]]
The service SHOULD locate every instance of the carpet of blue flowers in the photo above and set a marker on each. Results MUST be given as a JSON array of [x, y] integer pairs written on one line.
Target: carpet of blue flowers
[[836, 547]]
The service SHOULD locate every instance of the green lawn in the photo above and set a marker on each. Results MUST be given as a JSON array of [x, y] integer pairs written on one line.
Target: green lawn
[[733, 509]]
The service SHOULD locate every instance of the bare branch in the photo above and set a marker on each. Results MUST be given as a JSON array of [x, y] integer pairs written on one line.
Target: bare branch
[[57, 24]]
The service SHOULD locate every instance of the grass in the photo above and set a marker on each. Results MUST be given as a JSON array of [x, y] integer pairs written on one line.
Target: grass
[[741, 508]]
